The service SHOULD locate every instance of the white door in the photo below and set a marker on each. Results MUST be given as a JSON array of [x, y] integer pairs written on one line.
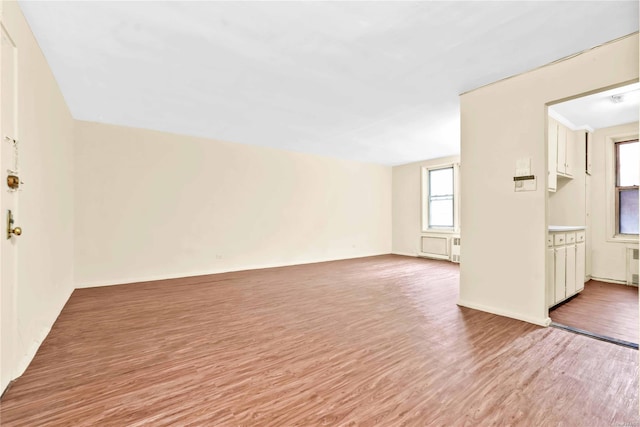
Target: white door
[[8, 201]]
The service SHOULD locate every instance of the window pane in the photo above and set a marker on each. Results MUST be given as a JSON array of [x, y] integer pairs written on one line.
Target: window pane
[[629, 211], [628, 164], [441, 182], [441, 212]]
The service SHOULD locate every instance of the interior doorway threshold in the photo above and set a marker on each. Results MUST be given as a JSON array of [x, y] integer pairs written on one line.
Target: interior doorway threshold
[[596, 336]]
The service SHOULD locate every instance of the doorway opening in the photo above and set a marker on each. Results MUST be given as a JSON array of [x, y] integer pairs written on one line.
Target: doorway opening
[[593, 214]]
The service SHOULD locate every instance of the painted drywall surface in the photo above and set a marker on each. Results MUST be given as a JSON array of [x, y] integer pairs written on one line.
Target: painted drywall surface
[[503, 231], [609, 260], [407, 199], [153, 205], [567, 204], [45, 249]]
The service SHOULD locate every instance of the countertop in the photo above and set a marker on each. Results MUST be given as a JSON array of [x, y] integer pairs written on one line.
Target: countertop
[[566, 227]]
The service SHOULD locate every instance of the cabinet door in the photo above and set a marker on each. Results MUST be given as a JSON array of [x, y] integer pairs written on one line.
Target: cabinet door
[[571, 270], [552, 135], [560, 279], [580, 263], [551, 285], [562, 149], [570, 151]]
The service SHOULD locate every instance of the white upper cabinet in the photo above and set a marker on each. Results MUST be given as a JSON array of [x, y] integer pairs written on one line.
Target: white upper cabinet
[[561, 163], [562, 142], [566, 146]]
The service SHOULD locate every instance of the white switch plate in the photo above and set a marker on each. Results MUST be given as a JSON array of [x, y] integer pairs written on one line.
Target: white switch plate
[[526, 185]]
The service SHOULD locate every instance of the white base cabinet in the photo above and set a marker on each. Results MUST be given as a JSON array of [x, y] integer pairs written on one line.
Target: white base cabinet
[[565, 264], [570, 271], [580, 263], [560, 279]]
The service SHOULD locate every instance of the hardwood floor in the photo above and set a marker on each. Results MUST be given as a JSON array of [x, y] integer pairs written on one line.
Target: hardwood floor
[[603, 308], [375, 341]]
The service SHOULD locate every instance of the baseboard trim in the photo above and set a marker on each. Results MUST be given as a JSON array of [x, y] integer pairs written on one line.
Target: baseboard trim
[[156, 278], [26, 359], [433, 256], [614, 281], [405, 254], [419, 255], [542, 321]]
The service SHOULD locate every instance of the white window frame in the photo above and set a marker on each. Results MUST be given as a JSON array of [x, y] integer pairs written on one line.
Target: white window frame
[[610, 179], [424, 199]]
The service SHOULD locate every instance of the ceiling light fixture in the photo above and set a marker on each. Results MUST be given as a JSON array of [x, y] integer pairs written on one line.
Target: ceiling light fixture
[[617, 99]]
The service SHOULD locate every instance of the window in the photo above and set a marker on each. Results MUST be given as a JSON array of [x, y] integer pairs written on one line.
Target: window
[[438, 203], [627, 180]]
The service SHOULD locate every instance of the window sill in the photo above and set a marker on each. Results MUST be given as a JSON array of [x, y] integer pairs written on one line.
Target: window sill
[[621, 238], [441, 231]]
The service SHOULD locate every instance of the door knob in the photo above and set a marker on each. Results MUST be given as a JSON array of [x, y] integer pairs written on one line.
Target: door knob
[[10, 229]]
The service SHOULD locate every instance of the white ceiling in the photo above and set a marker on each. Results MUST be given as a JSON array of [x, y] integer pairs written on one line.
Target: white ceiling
[[370, 81], [598, 110]]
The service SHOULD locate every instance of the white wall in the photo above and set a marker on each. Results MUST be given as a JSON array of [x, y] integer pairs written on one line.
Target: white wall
[[503, 232], [45, 249], [608, 256], [407, 199], [153, 205]]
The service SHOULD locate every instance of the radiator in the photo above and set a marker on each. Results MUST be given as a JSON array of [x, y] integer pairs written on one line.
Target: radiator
[[632, 266], [440, 247], [434, 247], [455, 249]]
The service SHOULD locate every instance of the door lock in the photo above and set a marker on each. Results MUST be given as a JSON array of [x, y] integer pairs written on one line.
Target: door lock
[[13, 182], [10, 230]]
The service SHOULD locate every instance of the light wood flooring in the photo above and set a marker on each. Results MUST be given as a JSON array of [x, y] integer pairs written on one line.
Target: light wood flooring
[[375, 341], [602, 308]]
